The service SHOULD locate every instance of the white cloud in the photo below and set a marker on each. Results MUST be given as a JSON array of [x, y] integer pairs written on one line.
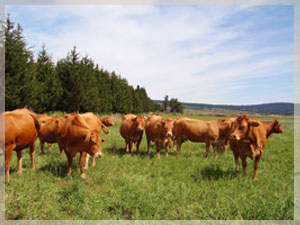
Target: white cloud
[[179, 51]]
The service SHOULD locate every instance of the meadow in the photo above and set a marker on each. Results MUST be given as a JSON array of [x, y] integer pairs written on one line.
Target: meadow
[[141, 187]]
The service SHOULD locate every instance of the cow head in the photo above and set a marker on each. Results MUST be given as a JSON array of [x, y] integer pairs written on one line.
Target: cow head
[[167, 125], [241, 127], [94, 141], [139, 120], [277, 128], [107, 121]]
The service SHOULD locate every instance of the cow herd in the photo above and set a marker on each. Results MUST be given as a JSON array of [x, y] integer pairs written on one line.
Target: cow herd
[[81, 133]]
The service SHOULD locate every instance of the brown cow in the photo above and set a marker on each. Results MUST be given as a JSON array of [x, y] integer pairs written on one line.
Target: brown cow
[[21, 129], [159, 130], [99, 124], [248, 139], [225, 127], [272, 127], [78, 135], [131, 129], [50, 129], [195, 131]]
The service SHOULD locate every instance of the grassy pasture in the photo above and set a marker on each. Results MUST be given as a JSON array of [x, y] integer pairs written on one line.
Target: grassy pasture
[[130, 186]]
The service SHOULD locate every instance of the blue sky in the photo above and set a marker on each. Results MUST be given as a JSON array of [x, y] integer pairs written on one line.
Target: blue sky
[[201, 54]]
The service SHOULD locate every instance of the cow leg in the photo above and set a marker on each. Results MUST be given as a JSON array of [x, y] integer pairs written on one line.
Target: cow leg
[[174, 144], [83, 164], [256, 164], [93, 160], [127, 146], [42, 146], [70, 161], [79, 161], [148, 146], [32, 155], [138, 145], [207, 146], [8, 153], [50, 147], [215, 147], [178, 147], [19, 155], [244, 164], [157, 149], [236, 159], [168, 147], [131, 145], [60, 148]]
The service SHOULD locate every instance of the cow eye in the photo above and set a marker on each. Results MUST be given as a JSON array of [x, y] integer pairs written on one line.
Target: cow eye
[[242, 127]]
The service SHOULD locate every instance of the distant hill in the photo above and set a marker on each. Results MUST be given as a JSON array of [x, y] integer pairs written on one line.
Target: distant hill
[[278, 108]]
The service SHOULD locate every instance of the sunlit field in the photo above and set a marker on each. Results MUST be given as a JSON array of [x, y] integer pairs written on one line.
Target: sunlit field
[[140, 186]]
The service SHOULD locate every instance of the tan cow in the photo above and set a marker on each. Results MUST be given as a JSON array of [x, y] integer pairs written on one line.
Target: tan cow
[[248, 139], [131, 129], [195, 131], [50, 129], [21, 129], [78, 135], [159, 130]]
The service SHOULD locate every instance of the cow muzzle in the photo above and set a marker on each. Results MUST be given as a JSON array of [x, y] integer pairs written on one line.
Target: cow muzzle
[[140, 129], [169, 134], [98, 155], [235, 137]]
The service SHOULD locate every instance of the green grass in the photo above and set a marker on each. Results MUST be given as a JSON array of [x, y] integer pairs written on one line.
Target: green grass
[[131, 186]]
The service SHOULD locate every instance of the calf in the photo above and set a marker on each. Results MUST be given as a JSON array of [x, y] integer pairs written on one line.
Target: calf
[[248, 139], [159, 130], [131, 129], [50, 129], [272, 127], [78, 135], [21, 129], [195, 131]]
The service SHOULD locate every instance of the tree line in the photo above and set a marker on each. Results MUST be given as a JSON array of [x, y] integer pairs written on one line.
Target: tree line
[[72, 84]]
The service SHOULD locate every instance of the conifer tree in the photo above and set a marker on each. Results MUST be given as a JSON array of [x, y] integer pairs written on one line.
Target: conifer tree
[[19, 69]]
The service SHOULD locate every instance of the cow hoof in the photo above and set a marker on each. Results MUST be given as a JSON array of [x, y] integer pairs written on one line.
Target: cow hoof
[[19, 171], [83, 176]]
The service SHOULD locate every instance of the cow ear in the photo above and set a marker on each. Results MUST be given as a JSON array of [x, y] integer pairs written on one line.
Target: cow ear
[[134, 119], [163, 123], [253, 123]]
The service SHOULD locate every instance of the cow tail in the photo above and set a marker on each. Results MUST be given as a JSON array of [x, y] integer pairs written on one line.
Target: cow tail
[[36, 122]]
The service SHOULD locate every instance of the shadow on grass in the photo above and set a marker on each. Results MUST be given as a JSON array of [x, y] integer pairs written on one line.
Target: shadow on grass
[[210, 173], [115, 150], [58, 169]]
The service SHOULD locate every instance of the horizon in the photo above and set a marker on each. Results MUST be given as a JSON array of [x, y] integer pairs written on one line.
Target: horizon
[[255, 104], [221, 55]]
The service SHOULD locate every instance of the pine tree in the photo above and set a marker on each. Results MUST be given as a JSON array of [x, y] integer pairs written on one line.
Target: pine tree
[[48, 81], [165, 103], [19, 69], [68, 73]]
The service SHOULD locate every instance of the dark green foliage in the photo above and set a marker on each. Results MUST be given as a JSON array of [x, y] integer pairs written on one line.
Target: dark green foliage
[[74, 84], [176, 106], [165, 104], [50, 89], [20, 70]]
